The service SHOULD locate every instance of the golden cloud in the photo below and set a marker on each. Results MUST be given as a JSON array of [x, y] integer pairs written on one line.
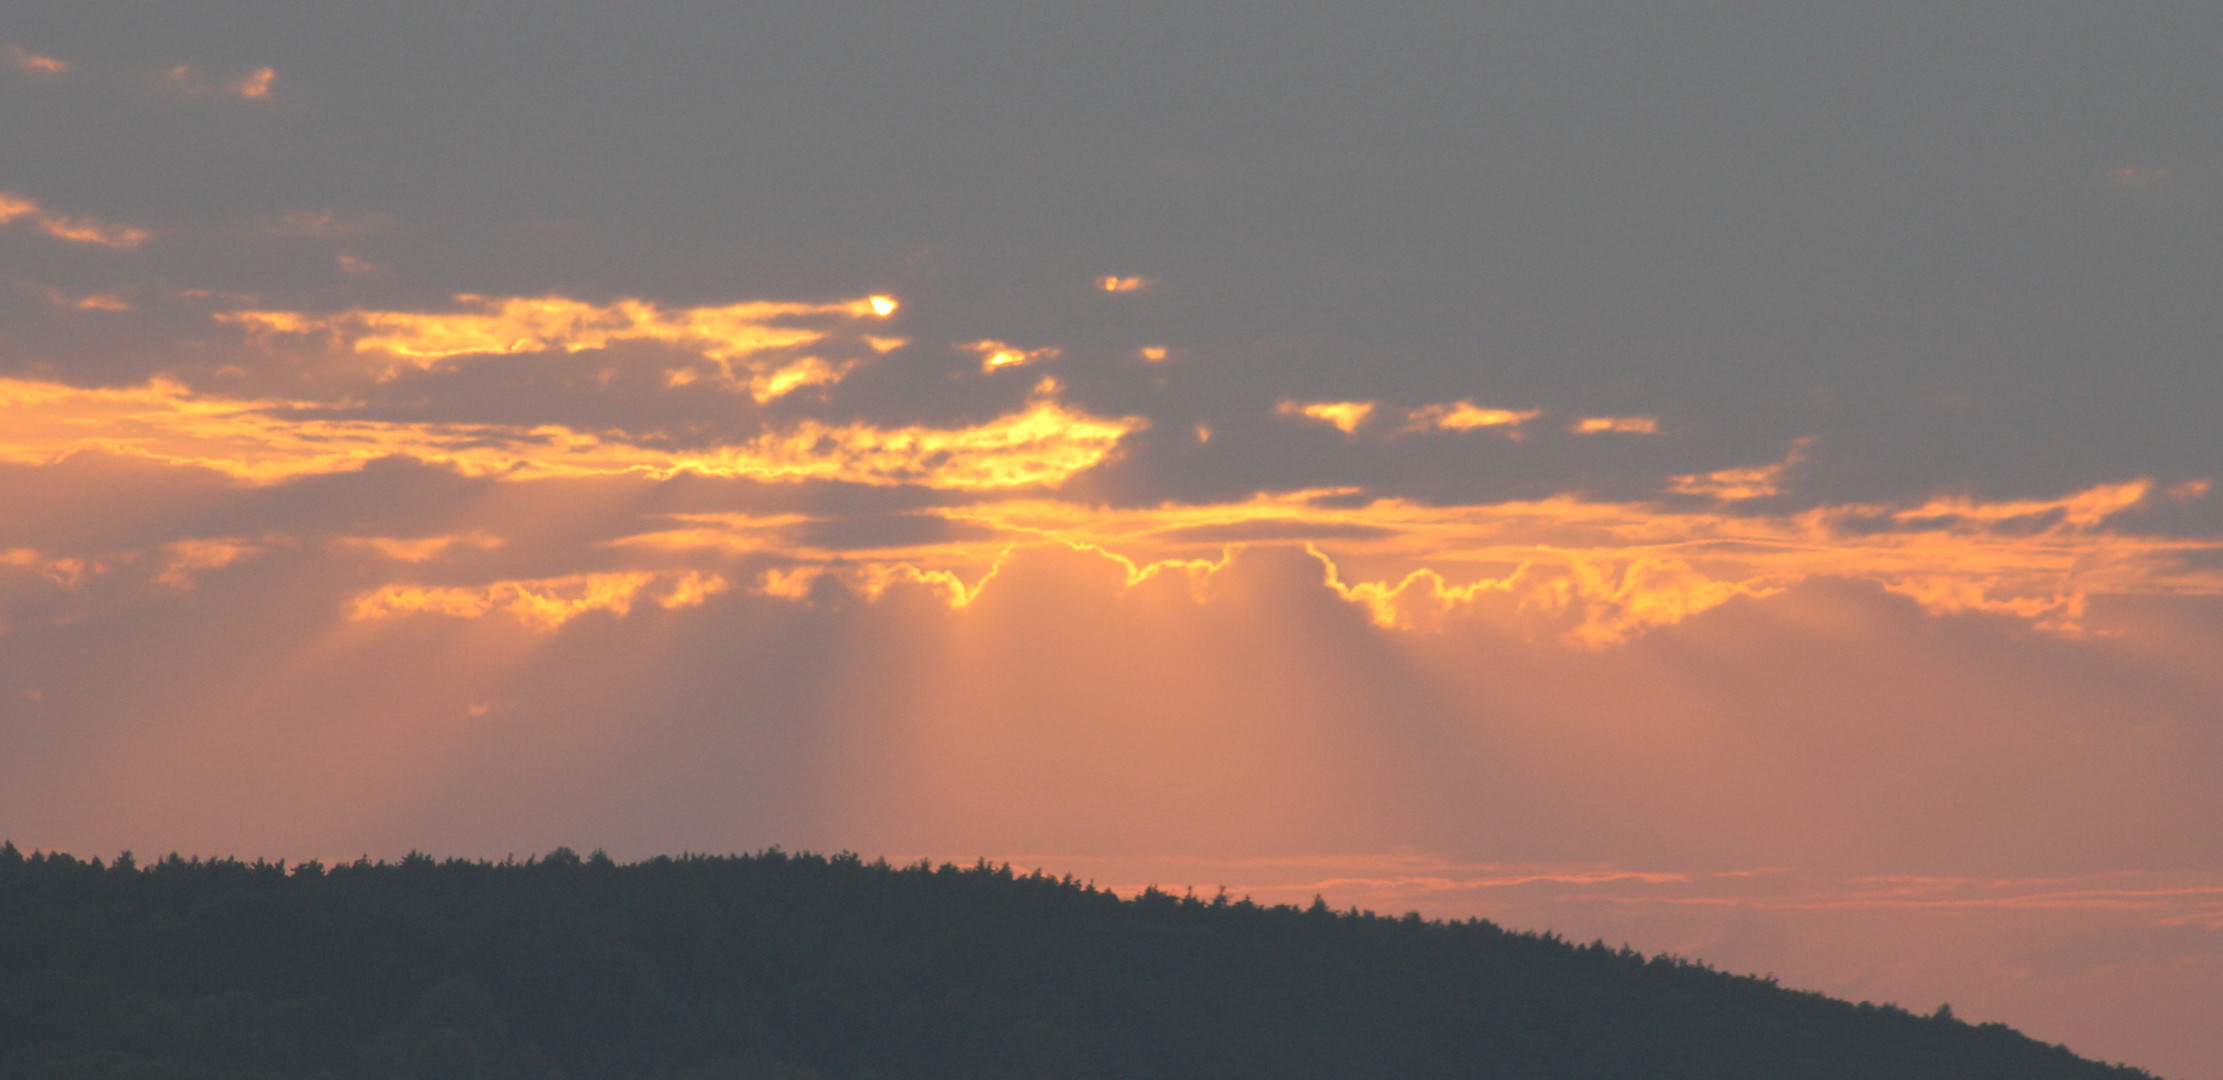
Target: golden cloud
[[543, 603], [1739, 484], [734, 337], [1344, 416], [1467, 416], [266, 441], [996, 354], [1116, 284], [185, 560], [1592, 573], [1623, 425]]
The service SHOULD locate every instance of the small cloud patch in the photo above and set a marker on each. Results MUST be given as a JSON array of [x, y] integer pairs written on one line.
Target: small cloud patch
[[31, 63], [1344, 416], [1616, 425], [1467, 416]]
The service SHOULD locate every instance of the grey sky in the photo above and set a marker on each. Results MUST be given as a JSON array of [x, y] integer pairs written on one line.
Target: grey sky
[[1975, 245]]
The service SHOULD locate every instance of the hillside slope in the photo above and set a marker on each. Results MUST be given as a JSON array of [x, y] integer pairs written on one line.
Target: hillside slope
[[796, 967]]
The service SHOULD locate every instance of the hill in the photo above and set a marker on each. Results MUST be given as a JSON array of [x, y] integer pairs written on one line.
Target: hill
[[802, 967]]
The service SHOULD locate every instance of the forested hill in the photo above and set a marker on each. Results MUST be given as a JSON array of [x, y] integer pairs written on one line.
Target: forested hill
[[801, 967]]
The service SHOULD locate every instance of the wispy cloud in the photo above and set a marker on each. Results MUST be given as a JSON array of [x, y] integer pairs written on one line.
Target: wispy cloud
[[1618, 425], [251, 85], [66, 571], [75, 230], [110, 303], [266, 441], [995, 355], [323, 223], [1744, 482], [183, 561], [1467, 416], [544, 603], [31, 63], [419, 549], [750, 346]]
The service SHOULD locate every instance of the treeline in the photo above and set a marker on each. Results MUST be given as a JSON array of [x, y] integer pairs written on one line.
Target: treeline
[[803, 967]]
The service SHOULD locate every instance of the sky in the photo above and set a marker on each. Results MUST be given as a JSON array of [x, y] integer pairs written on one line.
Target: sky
[[1731, 478]]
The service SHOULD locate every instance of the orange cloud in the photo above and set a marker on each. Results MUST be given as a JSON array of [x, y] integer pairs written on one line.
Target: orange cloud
[[732, 336], [996, 354], [29, 62], [103, 302], [1591, 573], [1624, 425], [1344, 416], [1117, 284], [75, 230], [1739, 484], [253, 85], [1467, 416], [265, 441], [184, 560], [544, 603], [65, 571]]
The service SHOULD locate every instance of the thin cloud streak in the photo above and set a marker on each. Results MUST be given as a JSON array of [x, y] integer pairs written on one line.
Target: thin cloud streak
[[32, 63], [270, 441], [750, 345], [75, 230]]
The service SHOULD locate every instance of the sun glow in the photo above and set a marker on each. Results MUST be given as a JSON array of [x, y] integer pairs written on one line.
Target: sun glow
[[1592, 573]]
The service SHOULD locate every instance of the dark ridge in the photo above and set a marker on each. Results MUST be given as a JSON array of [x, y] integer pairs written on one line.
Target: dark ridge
[[804, 967]]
